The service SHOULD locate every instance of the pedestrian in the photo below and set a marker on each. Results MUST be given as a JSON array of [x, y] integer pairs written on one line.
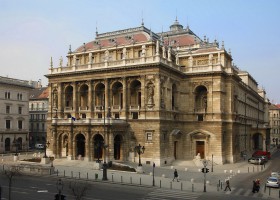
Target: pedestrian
[[175, 175], [254, 186], [227, 186], [258, 183]]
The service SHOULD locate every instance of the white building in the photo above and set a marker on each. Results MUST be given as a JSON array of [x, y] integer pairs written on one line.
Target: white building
[[14, 114]]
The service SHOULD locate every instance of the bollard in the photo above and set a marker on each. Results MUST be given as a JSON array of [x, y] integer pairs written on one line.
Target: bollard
[[248, 170], [265, 189], [56, 172], [218, 187], [121, 179], [160, 184], [170, 185], [192, 187], [112, 178], [181, 186], [269, 191], [140, 180], [87, 175], [279, 194], [79, 175], [253, 169], [64, 173], [221, 185]]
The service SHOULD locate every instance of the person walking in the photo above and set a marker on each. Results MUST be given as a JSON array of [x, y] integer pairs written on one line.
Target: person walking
[[227, 186], [175, 175]]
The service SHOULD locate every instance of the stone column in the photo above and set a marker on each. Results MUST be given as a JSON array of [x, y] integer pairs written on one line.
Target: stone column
[[87, 147], [75, 99], [70, 144], [124, 109], [90, 96], [106, 94], [60, 105]]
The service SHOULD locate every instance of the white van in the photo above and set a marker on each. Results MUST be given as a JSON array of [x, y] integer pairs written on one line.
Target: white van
[[39, 146]]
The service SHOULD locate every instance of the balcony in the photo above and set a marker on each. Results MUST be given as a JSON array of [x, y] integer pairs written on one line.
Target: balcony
[[114, 63], [134, 108]]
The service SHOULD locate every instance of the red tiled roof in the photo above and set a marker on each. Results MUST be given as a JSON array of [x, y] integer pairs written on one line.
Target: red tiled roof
[[121, 40]]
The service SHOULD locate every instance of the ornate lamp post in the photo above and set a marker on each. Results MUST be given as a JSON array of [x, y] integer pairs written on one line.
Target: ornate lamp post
[[46, 145], [140, 150]]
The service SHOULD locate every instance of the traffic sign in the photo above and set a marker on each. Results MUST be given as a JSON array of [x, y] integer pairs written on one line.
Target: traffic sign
[[204, 170]]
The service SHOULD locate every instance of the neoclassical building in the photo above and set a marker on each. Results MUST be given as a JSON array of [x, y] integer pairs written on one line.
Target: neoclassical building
[[174, 93]]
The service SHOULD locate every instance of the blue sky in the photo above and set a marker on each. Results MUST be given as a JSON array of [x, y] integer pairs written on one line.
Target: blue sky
[[32, 31]]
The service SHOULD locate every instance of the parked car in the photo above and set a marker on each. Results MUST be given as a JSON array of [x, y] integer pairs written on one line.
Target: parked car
[[263, 158], [39, 146], [256, 161], [275, 174], [273, 182], [262, 153]]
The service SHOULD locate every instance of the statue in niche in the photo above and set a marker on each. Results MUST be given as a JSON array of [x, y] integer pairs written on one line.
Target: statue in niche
[[150, 94], [55, 99], [143, 50], [124, 53], [106, 55], [169, 53], [204, 101]]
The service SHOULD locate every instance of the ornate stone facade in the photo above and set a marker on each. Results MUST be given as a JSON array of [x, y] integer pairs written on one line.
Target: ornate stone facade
[[171, 92]]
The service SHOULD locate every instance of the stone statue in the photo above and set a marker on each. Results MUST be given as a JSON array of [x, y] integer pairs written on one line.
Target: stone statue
[[60, 61], [150, 94], [106, 55]]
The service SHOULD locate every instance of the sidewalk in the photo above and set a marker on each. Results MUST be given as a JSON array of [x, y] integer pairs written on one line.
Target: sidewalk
[[191, 177]]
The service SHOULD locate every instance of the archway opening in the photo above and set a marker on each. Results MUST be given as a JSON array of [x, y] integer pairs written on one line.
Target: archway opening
[[117, 147], [257, 141], [80, 139], [98, 146], [7, 144]]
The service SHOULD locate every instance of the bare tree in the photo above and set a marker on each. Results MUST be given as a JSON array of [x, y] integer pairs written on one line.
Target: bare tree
[[79, 188], [10, 173]]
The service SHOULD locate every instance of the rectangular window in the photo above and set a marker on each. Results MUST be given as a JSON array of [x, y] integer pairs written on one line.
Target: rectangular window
[[8, 109], [8, 124], [37, 126], [139, 54], [19, 124], [134, 115], [43, 116], [117, 116], [149, 136], [43, 127], [200, 118], [20, 110], [99, 116]]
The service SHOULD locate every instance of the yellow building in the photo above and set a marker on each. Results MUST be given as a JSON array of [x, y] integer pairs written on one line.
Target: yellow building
[[175, 94]]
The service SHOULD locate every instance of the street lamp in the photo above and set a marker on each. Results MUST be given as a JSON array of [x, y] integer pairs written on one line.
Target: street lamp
[[59, 186], [154, 165], [140, 150], [46, 145]]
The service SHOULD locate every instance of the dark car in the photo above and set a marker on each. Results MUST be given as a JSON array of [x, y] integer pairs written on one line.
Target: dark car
[[256, 161]]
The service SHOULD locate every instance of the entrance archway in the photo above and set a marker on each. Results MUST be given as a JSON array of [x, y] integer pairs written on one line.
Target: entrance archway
[[257, 141], [80, 145], [117, 147], [200, 149], [7, 144], [98, 146]]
